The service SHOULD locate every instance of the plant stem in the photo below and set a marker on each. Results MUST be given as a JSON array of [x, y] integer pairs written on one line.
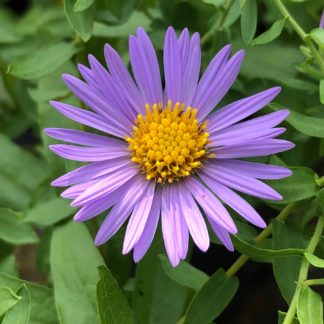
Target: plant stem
[[263, 235], [219, 24], [313, 282], [305, 38], [303, 272]]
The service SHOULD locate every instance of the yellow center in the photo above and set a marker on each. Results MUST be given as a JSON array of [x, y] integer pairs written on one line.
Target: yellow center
[[169, 143]]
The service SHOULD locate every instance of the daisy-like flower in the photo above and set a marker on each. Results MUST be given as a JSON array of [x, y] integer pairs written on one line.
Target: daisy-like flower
[[164, 153]]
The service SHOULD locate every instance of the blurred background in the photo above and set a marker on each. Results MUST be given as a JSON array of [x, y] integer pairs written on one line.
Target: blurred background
[[41, 39]]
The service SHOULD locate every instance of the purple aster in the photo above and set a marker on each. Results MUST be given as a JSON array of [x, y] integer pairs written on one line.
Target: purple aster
[[164, 153], [322, 20]]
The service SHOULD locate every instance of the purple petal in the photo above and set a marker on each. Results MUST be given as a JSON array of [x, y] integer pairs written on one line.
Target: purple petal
[[120, 212], [259, 147], [252, 169], [233, 200], [87, 75], [89, 154], [91, 171], [219, 86], [222, 235], [76, 190], [87, 118], [105, 186], [123, 79], [212, 207], [238, 110], [254, 128], [172, 67], [138, 219], [147, 236], [321, 25], [168, 227], [184, 44], [243, 183], [195, 221], [80, 137], [96, 102], [211, 73], [191, 70]]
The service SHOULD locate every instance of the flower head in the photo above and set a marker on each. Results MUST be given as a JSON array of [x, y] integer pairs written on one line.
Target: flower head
[[163, 153]]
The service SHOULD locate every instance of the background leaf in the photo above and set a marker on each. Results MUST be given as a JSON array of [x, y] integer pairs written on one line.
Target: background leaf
[[248, 20]]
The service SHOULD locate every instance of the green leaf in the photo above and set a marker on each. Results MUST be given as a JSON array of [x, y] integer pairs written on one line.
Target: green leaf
[[44, 61], [212, 298], [314, 260], [281, 318], [286, 268], [49, 212], [82, 21], [256, 252], [309, 306], [156, 297], [321, 91], [215, 3], [21, 312], [8, 299], [113, 306], [13, 230], [248, 20], [300, 185], [42, 307], [317, 35], [271, 34], [184, 274], [124, 30], [320, 198], [81, 5], [74, 261]]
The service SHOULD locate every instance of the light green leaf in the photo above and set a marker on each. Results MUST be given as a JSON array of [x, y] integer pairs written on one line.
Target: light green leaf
[[129, 27], [309, 306], [258, 252], [8, 299], [248, 20], [113, 306], [281, 318], [212, 298], [321, 91], [81, 5], [44, 61], [42, 308], [49, 212], [300, 185], [317, 35], [82, 21], [74, 260], [286, 268], [184, 274], [271, 34], [13, 230], [215, 3], [22, 311], [314, 260]]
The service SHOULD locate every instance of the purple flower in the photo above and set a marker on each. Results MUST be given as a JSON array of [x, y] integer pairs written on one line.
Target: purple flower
[[165, 153], [322, 20]]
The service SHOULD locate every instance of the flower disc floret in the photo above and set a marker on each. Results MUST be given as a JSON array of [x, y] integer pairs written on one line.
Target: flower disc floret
[[168, 144]]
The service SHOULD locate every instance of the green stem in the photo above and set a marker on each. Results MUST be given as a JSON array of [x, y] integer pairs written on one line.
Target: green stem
[[219, 24], [263, 235], [314, 282], [303, 272], [305, 38]]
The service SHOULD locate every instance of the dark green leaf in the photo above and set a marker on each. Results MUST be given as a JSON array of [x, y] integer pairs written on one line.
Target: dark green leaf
[[81, 5], [49, 212], [248, 20], [74, 262], [13, 230], [184, 274], [81, 22], [321, 91], [212, 298], [113, 306], [43, 62], [320, 198], [8, 299], [309, 306], [286, 268], [271, 34]]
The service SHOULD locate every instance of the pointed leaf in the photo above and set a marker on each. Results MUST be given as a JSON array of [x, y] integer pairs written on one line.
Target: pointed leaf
[[314, 260], [8, 299], [248, 20], [271, 34]]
